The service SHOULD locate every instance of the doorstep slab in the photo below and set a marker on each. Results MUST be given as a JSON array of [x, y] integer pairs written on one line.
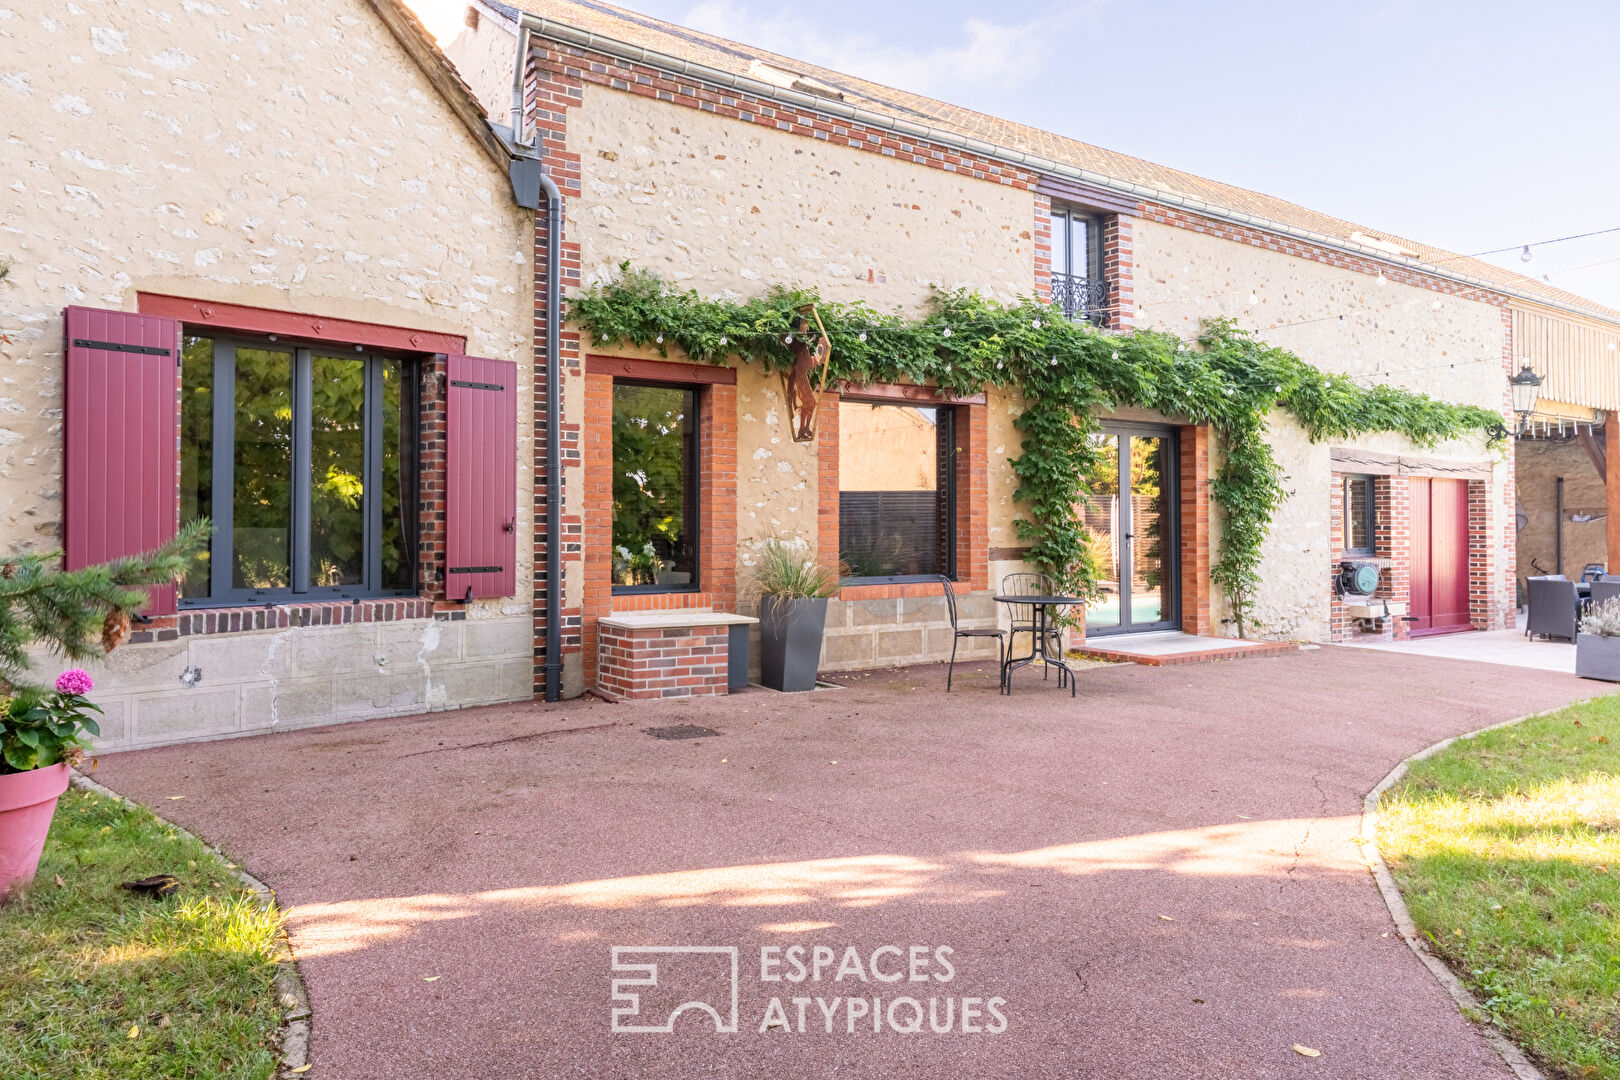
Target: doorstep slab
[[1174, 647]]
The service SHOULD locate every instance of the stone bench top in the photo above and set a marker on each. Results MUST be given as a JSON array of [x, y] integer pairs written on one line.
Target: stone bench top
[[672, 620]]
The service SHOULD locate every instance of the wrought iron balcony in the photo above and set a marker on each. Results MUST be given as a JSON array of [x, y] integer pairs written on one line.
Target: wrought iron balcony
[[1080, 299]]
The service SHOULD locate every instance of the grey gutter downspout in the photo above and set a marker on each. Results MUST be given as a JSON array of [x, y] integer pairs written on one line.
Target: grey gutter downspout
[[554, 485], [557, 31]]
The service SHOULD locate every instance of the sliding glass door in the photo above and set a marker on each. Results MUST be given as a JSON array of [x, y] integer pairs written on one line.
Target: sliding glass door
[[1131, 520]]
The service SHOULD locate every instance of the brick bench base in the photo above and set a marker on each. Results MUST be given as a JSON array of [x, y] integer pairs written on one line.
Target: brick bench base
[[664, 654]]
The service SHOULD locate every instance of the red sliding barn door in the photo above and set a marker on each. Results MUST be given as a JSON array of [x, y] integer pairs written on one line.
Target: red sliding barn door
[[1439, 599]]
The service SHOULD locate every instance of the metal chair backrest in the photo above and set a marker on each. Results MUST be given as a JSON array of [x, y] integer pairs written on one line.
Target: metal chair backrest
[[1604, 590], [1592, 571], [1025, 584], [950, 598]]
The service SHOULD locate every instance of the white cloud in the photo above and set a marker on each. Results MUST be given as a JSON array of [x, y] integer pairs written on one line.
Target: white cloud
[[985, 56]]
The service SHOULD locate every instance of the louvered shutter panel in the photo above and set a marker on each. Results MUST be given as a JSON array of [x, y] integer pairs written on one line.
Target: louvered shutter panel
[[120, 425], [481, 479]]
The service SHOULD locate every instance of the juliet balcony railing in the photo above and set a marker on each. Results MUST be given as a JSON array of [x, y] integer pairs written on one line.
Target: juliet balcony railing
[[1080, 299]]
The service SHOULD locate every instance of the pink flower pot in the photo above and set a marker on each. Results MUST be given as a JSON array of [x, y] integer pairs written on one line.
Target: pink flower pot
[[27, 803]]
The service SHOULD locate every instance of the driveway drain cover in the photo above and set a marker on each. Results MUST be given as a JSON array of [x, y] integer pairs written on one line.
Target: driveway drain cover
[[680, 731]]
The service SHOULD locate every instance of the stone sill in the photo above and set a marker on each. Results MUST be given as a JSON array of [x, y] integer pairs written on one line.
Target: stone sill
[[673, 620]]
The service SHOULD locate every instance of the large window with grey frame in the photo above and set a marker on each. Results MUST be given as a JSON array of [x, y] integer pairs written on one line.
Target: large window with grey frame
[[305, 457], [896, 491]]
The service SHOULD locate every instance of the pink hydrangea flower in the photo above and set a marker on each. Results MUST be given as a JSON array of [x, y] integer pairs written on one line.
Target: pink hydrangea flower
[[75, 681]]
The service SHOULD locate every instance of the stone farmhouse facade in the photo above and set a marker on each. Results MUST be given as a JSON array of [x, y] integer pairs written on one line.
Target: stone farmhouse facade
[[315, 309], [728, 169]]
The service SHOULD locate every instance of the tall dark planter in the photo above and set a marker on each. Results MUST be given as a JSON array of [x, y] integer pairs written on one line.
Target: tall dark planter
[[790, 641]]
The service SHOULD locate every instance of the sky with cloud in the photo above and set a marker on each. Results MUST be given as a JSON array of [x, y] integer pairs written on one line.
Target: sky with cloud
[[1471, 125]]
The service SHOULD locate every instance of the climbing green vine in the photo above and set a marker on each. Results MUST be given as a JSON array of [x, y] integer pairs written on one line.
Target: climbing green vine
[[1067, 373]]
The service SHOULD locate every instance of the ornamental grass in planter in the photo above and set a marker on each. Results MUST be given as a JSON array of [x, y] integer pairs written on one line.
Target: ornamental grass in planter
[[43, 728], [1597, 645], [792, 615]]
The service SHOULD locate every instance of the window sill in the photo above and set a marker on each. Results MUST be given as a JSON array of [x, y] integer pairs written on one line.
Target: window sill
[[284, 616]]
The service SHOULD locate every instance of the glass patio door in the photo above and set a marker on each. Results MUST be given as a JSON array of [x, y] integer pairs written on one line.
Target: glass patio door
[[1134, 533]]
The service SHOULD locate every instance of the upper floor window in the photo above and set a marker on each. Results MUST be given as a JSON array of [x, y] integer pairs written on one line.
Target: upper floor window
[[896, 491], [305, 458], [655, 487], [1078, 287]]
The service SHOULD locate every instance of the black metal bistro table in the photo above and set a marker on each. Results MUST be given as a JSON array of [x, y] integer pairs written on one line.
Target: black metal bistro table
[[1037, 650]]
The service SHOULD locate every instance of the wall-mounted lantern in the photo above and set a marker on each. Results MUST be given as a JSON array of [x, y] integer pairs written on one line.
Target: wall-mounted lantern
[[1526, 387]]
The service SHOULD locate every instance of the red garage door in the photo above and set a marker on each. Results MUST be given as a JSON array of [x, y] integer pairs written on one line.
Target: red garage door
[[1439, 555]]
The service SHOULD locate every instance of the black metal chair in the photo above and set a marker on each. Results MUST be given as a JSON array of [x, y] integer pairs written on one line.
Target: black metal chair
[[957, 634], [1023, 615], [1553, 602]]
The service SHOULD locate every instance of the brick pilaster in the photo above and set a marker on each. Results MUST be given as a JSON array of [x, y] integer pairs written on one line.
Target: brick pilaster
[[1194, 442]]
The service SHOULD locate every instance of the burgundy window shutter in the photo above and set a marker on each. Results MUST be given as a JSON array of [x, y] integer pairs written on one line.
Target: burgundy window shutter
[[481, 479], [120, 427]]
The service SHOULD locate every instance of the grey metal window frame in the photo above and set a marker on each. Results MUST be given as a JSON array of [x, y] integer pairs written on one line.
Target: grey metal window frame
[[692, 494], [1170, 603], [1092, 264], [1370, 515], [947, 494], [221, 592]]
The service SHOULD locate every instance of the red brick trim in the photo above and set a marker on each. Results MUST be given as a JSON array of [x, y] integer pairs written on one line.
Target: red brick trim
[[827, 481], [1304, 249], [257, 320], [1043, 247], [1193, 442], [672, 370], [239, 620], [972, 498], [662, 601], [562, 70], [717, 512]]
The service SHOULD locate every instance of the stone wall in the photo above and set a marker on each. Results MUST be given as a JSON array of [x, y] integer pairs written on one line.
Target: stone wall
[[1540, 462], [731, 209], [892, 631], [220, 685], [1340, 320], [297, 161]]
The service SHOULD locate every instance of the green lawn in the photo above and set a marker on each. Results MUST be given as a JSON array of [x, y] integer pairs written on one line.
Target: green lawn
[[1507, 851], [104, 983]]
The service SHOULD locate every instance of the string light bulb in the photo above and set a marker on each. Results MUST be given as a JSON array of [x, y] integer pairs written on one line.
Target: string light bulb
[[1524, 256], [722, 339], [660, 339], [947, 332], [862, 336], [1036, 324]]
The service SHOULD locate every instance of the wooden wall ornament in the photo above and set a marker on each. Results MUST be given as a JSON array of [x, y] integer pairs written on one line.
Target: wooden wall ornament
[[798, 386]]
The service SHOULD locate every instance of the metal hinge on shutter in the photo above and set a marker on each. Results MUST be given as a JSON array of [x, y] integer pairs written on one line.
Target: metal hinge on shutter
[[113, 346], [477, 385]]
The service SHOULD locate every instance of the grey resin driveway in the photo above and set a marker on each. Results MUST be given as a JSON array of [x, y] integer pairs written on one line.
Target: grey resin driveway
[[1156, 879]]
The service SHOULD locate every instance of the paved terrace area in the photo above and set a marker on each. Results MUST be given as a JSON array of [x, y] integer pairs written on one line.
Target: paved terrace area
[[1158, 876]]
